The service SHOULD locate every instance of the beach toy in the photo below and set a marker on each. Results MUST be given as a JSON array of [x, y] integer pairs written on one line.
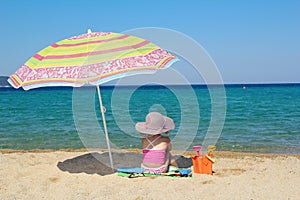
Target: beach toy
[[210, 150], [197, 149], [203, 164]]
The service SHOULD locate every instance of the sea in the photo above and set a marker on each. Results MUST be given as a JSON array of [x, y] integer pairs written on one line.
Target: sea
[[257, 118]]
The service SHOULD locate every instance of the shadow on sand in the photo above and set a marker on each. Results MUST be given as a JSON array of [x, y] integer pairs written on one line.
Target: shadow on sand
[[98, 163]]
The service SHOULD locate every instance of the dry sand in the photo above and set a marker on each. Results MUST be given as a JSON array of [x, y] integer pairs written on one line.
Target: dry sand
[[79, 175]]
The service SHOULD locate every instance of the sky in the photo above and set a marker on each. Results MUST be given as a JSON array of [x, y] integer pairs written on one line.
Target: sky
[[250, 41]]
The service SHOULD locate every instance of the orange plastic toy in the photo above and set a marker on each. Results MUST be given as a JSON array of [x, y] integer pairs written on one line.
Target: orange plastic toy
[[203, 164]]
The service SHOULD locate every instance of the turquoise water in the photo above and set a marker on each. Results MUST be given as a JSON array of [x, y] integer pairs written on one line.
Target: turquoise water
[[261, 118]]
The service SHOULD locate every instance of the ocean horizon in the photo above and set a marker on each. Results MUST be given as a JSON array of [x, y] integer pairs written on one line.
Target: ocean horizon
[[262, 118]]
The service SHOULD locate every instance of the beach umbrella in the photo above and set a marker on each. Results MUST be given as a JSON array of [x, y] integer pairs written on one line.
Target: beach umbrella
[[92, 58]]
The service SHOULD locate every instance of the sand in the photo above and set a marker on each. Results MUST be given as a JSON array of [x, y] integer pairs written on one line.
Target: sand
[[78, 175]]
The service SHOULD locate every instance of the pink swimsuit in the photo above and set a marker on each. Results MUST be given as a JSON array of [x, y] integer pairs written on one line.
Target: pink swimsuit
[[154, 156]]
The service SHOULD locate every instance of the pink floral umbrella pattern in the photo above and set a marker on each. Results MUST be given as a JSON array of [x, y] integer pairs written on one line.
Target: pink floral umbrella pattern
[[91, 58]]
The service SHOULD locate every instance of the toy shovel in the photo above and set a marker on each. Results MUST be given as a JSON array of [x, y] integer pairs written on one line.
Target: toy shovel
[[197, 149]]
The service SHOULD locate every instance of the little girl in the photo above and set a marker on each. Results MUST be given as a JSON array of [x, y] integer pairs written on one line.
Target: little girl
[[156, 148]]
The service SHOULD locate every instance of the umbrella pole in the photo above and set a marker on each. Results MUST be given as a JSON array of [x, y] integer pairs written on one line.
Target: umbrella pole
[[105, 128]]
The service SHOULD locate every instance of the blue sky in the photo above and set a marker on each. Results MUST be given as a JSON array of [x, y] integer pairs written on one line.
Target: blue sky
[[250, 41]]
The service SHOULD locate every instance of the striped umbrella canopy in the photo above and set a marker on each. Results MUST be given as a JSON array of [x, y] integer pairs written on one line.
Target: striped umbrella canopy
[[92, 58]]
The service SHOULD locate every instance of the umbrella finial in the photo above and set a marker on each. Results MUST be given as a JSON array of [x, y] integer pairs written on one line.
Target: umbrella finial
[[89, 31]]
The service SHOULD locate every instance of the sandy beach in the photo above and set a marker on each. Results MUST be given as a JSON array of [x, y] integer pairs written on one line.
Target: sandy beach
[[78, 175]]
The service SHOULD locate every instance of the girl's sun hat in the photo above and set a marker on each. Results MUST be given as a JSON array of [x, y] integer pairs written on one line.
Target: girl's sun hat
[[155, 124]]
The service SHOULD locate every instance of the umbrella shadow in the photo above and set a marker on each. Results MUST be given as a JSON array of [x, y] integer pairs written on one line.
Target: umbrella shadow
[[99, 163]]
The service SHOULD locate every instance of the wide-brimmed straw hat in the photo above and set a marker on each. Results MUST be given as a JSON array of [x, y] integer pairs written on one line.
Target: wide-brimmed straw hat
[[155, 124]]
